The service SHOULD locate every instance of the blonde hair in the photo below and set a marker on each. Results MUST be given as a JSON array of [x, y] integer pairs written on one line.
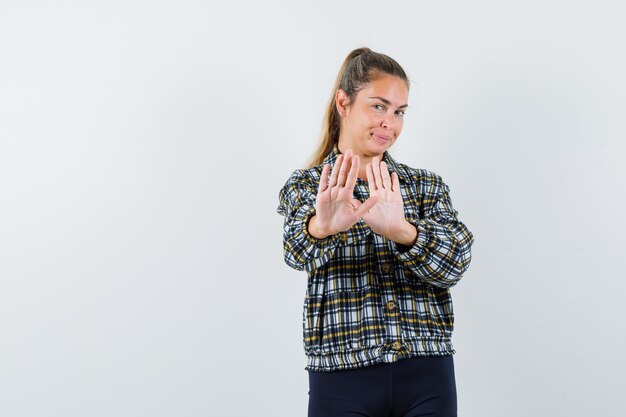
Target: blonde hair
[[360, 67]]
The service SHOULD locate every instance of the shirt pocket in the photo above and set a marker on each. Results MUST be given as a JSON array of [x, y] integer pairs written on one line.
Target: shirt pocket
[[442, 313], [312, 329], [426, 311], [350, 320]]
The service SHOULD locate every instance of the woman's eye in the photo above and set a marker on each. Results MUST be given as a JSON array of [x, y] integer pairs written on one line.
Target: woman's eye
[[400, 113], [379, 107]]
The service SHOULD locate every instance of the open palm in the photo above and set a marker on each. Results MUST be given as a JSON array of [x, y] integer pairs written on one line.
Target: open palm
[[336, 208], [387, 216]]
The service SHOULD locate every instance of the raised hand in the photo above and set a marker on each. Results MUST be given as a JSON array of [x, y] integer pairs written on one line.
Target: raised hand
[[336, 208], [386, 218]]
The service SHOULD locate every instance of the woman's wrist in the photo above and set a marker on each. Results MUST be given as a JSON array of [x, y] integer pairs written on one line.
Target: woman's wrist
[[406, 234], [315, 230]]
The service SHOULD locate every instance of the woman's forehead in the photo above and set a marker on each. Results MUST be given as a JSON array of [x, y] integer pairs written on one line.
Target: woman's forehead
[[389, 88]]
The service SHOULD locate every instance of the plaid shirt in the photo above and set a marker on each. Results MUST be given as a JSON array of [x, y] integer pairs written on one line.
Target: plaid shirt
[[369, 299]]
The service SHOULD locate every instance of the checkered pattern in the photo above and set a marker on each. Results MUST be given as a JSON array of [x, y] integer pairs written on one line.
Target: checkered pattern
[[369, 299]]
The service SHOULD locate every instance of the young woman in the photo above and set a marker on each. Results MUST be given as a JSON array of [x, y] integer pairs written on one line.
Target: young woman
[[382, 245]]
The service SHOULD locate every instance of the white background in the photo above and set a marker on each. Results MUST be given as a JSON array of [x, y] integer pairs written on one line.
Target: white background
[[143, 145]]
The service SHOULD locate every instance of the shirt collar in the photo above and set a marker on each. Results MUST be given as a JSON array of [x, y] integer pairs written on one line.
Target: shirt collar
[[403, 174]]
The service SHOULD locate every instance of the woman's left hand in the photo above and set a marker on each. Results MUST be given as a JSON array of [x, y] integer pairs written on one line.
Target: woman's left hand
[[386, 218]]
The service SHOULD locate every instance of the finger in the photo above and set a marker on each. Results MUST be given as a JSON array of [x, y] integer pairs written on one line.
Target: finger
[[324, 179], [333, 176], [377, 177], [384, 170], [354, 171], [366, 206], [395, 181], [371, 183], [345, 166]]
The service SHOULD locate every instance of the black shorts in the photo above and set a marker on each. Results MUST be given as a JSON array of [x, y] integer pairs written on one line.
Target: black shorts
[[420, 386]]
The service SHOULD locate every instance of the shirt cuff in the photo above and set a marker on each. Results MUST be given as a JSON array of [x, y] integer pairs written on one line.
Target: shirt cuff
[[341, 237], [418, 250]]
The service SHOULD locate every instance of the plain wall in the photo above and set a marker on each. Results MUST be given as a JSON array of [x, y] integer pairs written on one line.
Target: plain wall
[[143, 145]]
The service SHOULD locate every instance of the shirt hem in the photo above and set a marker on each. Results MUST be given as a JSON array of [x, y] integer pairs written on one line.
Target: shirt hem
[[372, 355]]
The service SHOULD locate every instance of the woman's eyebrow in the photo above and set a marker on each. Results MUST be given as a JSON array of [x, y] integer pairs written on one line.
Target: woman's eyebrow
[[387, 102]]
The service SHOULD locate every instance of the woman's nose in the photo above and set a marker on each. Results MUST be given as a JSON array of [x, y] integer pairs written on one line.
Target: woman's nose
[[386, 121]]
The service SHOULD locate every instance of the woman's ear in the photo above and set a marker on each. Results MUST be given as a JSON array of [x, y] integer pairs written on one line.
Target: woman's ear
[[341, 101]]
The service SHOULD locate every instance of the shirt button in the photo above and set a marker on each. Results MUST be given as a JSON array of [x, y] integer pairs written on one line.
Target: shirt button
[[396, 345], [391, 305], [386, 268]]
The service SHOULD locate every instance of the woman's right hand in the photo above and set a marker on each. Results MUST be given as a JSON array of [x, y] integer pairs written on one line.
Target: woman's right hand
[[336, 210]]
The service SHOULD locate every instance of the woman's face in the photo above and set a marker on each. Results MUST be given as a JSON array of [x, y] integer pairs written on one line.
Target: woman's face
[[374, 119]]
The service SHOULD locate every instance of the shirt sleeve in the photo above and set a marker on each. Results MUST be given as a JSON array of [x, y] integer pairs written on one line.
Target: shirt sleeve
[[442, 251], [301, 250]]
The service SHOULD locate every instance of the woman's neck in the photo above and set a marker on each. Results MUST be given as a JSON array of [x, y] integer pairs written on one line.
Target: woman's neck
[[363, 159]]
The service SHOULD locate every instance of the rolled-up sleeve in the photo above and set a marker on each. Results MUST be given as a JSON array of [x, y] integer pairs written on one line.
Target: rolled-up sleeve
[[301, 250], [442, 251]]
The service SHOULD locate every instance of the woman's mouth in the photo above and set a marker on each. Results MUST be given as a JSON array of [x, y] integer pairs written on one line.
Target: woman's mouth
[[382, 138]]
